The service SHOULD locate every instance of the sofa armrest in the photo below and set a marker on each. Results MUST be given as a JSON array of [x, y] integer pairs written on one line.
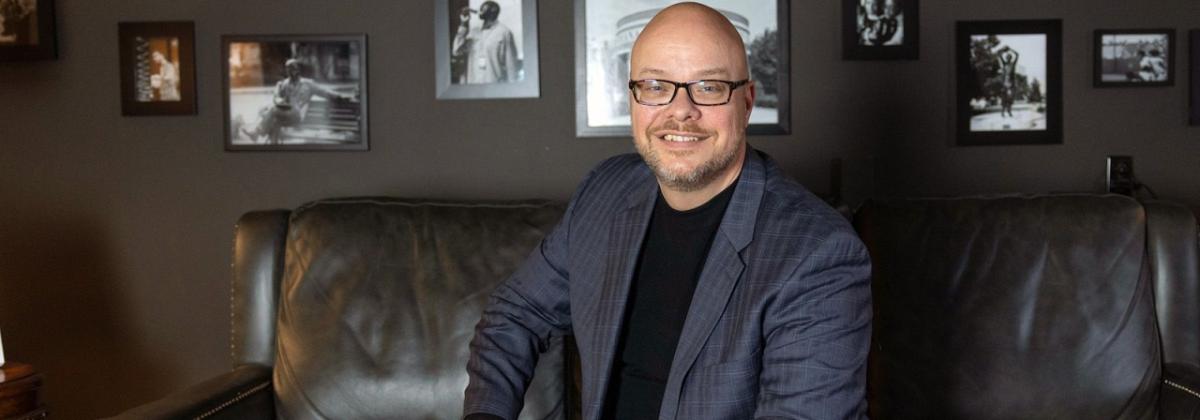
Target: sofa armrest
[[243, 393], [1180, 394]]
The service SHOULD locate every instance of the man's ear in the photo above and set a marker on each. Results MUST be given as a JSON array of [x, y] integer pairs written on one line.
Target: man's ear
[[751, 92]]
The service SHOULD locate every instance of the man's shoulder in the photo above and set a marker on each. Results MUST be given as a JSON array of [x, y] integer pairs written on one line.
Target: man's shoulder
[[620, 169], [788, 208], [614, 177]]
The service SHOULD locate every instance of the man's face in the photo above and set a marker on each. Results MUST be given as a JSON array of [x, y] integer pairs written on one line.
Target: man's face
[[489, 11], [293, 70], [687, 145]]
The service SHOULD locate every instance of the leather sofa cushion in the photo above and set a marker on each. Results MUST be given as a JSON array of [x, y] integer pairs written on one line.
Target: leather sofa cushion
[[1012, 307], [380, 298]]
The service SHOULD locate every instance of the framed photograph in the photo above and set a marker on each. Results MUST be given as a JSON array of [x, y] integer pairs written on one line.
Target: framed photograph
[[295, 92], [158, 68], [1194, 77], [1009, 82], [604, 34], [880, 29], [486, 49], [27, 30], [1133, 57]]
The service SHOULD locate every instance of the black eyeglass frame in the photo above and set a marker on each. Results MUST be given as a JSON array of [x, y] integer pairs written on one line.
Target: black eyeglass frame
[[686, 88]]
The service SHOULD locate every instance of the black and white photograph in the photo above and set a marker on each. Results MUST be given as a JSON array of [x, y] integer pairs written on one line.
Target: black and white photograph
[[1009, 82], [295, 92], [27, 30], [1194, 82], [880, 29], [1134, 57], [157, 68], [486, 49], [604, 34]]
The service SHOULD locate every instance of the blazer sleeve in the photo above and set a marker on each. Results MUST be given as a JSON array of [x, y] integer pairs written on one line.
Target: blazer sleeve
[[523, 313], [818, 334]]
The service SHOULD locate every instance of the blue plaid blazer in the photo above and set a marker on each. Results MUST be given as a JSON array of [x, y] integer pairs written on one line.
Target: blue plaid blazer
[[779, 326]]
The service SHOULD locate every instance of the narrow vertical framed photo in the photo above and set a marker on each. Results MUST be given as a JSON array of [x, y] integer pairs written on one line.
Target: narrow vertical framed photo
[[1194, 76], [604, 34], [295, 92], [158, 68], [1133, 57], [27, 30], [486, 49], [1009, 82], [880, 29]]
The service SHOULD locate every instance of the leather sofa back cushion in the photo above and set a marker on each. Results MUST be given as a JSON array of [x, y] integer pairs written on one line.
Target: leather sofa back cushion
[[1013, 307], [380, 298]]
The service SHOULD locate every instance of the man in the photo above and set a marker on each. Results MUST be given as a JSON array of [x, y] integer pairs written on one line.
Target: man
[[1008, 76], [291, 98], [699, 282], [491, 52], [167, 79], [1152, 68], [878, 22]]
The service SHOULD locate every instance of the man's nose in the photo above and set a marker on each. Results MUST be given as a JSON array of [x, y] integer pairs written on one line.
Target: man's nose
[[681, 107]]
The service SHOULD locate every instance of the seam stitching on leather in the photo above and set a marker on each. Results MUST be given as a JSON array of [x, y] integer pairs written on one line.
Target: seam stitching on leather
[[240, 396], [423, 203], [232, 298], [1182, 388]]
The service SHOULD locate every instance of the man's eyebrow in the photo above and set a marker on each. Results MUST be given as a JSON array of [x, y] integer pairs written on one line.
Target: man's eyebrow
[[650, 71]]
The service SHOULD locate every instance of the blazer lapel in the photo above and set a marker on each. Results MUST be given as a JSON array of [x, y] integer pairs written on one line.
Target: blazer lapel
[[624, 245], [720, 275]]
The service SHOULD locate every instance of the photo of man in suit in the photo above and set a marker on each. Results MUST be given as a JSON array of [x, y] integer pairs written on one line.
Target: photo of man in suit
[[698, 280]]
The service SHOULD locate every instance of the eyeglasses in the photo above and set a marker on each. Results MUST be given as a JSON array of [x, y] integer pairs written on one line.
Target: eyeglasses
[[657, 92]]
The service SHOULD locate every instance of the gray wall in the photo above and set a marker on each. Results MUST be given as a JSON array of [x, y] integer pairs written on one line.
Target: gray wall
[[116, 232], [915, 146]]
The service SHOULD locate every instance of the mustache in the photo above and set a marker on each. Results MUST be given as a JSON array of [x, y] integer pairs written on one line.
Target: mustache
[[672, 125]]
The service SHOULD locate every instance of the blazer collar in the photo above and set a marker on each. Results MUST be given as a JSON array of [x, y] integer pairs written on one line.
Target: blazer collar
[[738, 223], [742, 213]]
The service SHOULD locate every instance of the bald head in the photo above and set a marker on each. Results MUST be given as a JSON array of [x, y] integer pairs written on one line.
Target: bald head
[[691, 25]]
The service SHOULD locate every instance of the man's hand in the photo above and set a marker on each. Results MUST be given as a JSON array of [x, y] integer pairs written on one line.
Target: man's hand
[[464, 15]]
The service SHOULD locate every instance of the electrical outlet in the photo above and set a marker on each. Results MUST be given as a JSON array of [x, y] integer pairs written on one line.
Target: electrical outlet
[[1119, 175]]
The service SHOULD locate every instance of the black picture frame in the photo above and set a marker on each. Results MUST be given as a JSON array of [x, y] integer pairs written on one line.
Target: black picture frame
[[626, 32], [444, 31], [1194, 76], [981, 93], [33, 38], [857, 45], [158, 68], [1120, 58], [259, 118]]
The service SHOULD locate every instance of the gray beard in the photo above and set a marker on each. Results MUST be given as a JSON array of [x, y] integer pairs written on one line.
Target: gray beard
[[689, 181]]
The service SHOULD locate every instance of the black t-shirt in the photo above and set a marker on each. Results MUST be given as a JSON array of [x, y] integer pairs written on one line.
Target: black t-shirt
[[672, 256]]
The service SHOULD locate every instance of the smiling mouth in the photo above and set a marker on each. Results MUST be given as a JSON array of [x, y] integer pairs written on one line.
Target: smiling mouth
[[681, 138]]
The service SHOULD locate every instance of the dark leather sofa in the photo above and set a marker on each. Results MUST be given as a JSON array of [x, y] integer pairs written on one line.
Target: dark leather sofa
[[1065, 306]]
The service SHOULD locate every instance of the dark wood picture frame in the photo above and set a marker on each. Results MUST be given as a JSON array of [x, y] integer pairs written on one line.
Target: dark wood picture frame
[[345, 115], [142, 91], [781, 82], [527, 87], [1194, 76], [975, 104], [1131, 72], [29, 44], [908, 27]]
